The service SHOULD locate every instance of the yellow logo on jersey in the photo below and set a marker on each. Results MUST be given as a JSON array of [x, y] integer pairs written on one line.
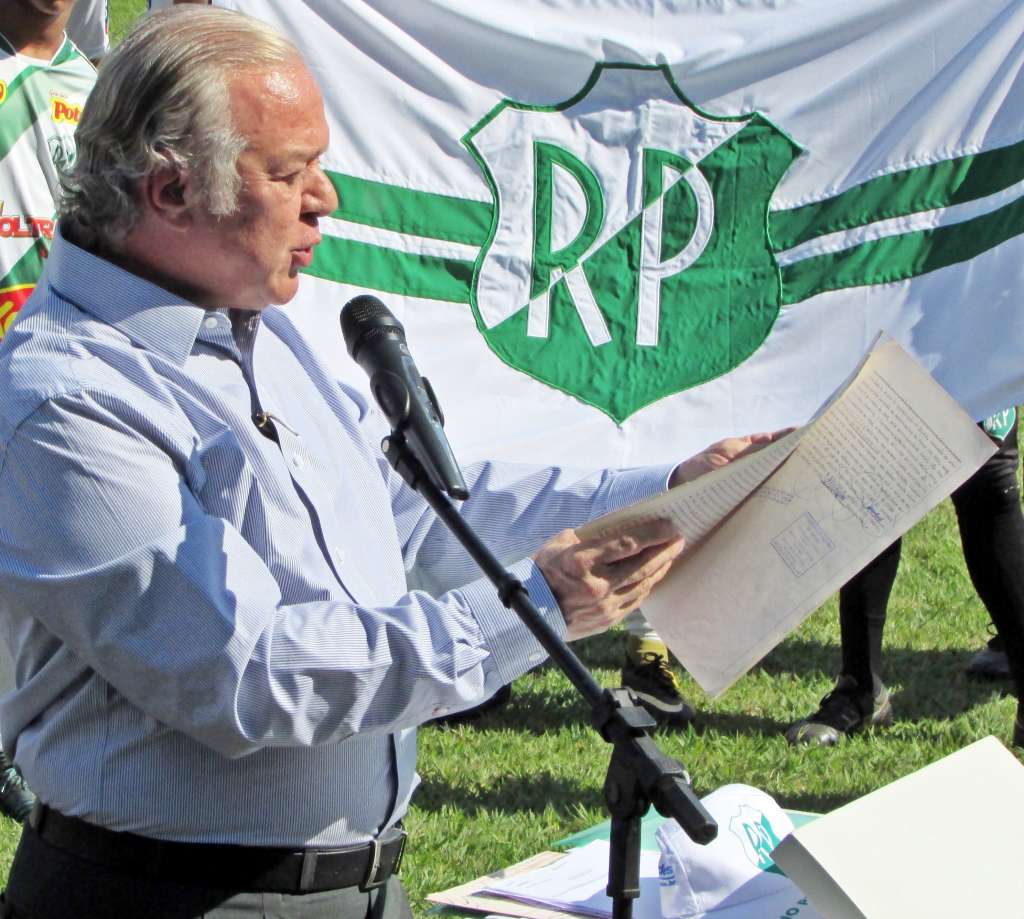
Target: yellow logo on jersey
[[11, 301], [3, 92], [64, 112]]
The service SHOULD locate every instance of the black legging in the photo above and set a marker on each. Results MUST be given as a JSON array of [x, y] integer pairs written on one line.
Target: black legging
[[992, 533]]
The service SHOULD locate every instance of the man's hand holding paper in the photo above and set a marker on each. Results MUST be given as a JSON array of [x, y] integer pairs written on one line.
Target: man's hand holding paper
[[721, 453], [599, 578]]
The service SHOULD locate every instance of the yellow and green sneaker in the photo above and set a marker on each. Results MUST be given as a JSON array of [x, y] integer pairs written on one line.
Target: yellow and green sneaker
[[648, 674]]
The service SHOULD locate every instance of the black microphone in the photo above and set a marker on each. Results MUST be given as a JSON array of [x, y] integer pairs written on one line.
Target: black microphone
[[376, 341]]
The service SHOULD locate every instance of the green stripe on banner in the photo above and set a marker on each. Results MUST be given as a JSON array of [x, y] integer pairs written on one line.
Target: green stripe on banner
[[418, 213], [896, 258], [377, 268], [909, 191]]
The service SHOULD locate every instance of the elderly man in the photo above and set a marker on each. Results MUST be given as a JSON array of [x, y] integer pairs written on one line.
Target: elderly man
[[210, 615]]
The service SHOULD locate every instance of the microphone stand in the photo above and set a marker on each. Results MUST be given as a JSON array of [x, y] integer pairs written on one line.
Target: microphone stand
[[639, 774]]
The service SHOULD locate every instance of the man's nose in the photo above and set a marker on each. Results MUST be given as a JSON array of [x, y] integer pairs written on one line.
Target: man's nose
[[322, 198]]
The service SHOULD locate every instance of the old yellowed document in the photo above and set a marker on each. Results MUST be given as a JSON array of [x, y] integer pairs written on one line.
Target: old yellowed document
[[773, 536]]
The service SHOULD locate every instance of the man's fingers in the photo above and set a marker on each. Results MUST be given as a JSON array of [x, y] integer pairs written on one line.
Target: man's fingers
[[642, 565], [756, 442], [596, 582], [616, 605], [638, 589], [631, 542]]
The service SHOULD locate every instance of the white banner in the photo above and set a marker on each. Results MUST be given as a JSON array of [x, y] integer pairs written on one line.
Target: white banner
[[618, 230]]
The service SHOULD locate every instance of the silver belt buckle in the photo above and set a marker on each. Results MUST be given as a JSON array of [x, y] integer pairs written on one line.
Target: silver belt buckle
[[396, 836], [371, 881]]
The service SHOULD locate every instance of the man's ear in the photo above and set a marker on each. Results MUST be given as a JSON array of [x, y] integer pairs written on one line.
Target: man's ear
[[166, 196]]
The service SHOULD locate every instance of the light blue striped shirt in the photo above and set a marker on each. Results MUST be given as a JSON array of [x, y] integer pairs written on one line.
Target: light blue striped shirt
[[215, 635]]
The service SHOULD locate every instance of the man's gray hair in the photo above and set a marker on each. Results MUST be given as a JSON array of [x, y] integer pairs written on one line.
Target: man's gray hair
[[161, 101]]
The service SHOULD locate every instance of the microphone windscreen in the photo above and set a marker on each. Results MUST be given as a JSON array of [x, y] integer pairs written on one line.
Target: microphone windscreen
[[365, 317]]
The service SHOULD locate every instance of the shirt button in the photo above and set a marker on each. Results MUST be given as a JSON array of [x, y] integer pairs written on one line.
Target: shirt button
[[211, 322], [296, 461], [339, 555]]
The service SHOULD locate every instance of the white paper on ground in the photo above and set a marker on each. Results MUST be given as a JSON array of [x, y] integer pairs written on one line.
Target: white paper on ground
[[576, 883], [942, 843]]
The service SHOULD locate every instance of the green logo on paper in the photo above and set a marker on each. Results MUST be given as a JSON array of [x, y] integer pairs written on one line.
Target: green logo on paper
[[628, 257]]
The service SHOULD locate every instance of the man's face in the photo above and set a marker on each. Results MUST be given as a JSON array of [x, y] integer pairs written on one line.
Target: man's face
[[48, 8], [252, 258]]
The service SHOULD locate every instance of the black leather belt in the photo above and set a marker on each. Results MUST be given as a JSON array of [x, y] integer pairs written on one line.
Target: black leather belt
[[225, 867]]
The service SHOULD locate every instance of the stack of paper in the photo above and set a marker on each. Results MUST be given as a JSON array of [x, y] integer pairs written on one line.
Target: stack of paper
[[576, 883]]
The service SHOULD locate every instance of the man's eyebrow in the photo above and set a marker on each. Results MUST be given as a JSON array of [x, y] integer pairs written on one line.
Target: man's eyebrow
[[296, 156]]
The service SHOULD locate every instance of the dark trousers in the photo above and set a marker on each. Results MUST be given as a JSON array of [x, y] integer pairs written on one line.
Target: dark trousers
[[991, 525], [47, 883]]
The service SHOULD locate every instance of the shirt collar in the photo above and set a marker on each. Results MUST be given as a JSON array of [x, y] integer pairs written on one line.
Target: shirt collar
[[147, 314], [66, 50]]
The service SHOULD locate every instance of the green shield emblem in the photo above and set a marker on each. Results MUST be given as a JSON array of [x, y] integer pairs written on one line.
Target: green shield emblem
[[1000, 424], [628, 256]]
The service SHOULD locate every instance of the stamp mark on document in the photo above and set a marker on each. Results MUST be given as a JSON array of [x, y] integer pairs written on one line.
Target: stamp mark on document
[[802, 544]]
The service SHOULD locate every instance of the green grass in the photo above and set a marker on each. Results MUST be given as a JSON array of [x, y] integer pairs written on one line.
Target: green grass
[[509, 786], [122, 14]]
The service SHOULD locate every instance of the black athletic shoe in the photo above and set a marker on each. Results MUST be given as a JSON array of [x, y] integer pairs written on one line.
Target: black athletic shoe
[[16, 798], [844, 711], [990, 662], [648, 674]]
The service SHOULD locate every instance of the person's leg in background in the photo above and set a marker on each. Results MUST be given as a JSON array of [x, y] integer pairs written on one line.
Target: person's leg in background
[[647, 672], [859, 698], [992, 532], [990, 662]]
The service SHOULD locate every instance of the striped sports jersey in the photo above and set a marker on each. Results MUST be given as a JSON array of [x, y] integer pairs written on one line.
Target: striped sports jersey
[[40, 104]]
